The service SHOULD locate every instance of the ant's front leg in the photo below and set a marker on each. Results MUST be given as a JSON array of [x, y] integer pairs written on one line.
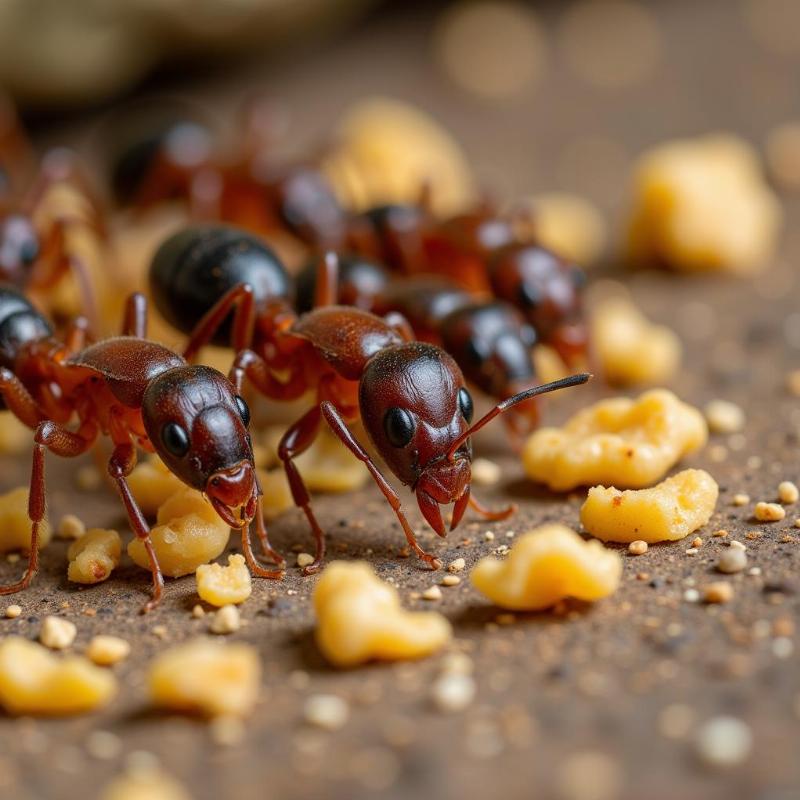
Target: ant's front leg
[[18, 399], [52, 437], [241, 300], [339, 427], [120, 465], [266, 548], [134, 319], [250, 365]]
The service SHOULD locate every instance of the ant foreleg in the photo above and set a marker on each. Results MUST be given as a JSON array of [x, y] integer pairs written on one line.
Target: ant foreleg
[[120, 465], [52, 437], [75, 335], [261, 529], [488, 513], [251, 365], [18, 399], [339, 427], [297, 439], [240, 298], [134, 320]]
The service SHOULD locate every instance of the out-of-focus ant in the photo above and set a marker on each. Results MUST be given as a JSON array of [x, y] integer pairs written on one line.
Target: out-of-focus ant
[[139, 394], [489, 340], [409, 395]]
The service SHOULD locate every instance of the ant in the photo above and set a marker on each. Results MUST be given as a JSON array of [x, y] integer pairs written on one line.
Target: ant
[[409, 395], [139, 394], [490, 340]]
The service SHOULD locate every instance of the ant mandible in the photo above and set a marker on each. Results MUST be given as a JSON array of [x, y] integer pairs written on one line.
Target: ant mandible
[[137, 393], [409, 395]]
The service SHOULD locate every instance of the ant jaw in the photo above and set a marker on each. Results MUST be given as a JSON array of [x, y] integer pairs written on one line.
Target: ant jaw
[[226, 513], [431, 511], [459, 508]]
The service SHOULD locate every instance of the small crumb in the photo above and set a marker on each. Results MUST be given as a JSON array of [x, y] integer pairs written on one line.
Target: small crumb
[[691, 596], [198, 612], [643, 576], [13, 611], [57, 633], [638, 547], [104, 745], [432, 593], [724, 742], [70, 527], [226, 620], [754, 571], [720, 533], [692, 551], [451, 580], [457, 565], [740, 499], [160, 631], [106, 651], [488, 536], [13, 558], [724, 417], [718, 592], [769, 512], [453, 692], [737, 545], [326, 711], [732, 560], [793, 382], [697, 542], [304, 559], [788, 492], [227, 730], [457, 664], [782, 647], [797, 522], [485, 472]]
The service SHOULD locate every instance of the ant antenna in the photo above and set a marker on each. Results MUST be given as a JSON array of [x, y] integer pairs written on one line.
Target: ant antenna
[[562, 383]]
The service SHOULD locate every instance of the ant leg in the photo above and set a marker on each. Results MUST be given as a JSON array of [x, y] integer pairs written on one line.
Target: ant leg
[[261, 529], [120, 465], [488, 513], [295, 441], [18, 399], [240, 299], [400, 325], [75, 335], [339, 427], [58, 440], [250, 364], [326, 289], [134, 320]]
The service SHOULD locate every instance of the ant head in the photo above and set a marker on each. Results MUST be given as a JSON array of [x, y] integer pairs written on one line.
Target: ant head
[[546, 288], [415, 406], [198, 426], [19, 248]]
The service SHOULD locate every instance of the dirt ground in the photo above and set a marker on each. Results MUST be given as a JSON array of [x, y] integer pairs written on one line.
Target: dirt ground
[[569, 705]]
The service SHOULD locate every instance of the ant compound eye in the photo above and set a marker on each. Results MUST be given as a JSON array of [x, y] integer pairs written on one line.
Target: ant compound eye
[[244, 411], [175, 439], [465, 404], [399, 427]]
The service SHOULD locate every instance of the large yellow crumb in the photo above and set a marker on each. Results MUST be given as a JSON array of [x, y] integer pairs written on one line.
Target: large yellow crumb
[[208, 677], [327, 466], [703, 204], [35, 681], [616, 442], [150, 784], [671, 510], [359, 618], [546, 565], [632, 350], [153, 484], [188, 533], [220, 585], [15, 526], [385, 151], [14, 436], [93, 557], [105, 651]]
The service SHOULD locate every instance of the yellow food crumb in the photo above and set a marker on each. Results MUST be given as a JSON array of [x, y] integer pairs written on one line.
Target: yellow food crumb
[[35, 681], [153, 484], [57, 633], [486, 472], [631, 350], [718, 592], [702, 204], [387, 150], [620, 442], [220, 585], [226, 620], [769, 512], [547, 565], [188, 533], [638, 547], [671, 510], [145, 784], [569, 225], [13, 611], [724, 417], [206, 676], [70, 527], [15, 526], [360, 619], [93, 557], [788, 492], [105, 651]]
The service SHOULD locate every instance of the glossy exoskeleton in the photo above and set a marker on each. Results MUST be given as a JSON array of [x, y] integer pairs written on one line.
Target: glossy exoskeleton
[[140, 395], [409, 395]]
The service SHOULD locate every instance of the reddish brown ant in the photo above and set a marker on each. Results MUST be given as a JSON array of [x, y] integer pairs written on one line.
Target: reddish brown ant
[[139, 394], [409, 395]]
